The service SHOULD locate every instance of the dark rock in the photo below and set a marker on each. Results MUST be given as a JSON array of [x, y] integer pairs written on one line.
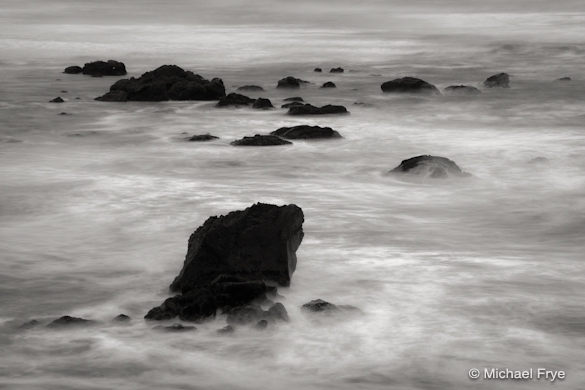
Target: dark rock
[[292, 104], [290, 82], [121, 318], [235, 99], [294, 99], [319, 70], [258, 243], [175, 328], [167, 82], [58, 99], [228, 329], [329, 84], [64, 113], [409, 85], [261, 140], [251, 88], [201, 138], [262, 103], [565, 79], [104, 68], [462, 90], [63, 91], [308, 109], [68, 321], [277, 312], [500, 80], [336, 70], [306, 132], [321, 306], [246, 315], [261, 325], [431, 166], [73, 69]]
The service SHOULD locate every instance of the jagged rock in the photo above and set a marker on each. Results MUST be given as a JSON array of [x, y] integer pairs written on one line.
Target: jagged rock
[[104, 68], [290, 82], [431, 166], [329, 84], [235, 99], [306, 132], [409, 85], [336, 70], [121, 318], [294, 99], [201, 138], [261, 140], [500, 80], [308, 109], [73, 69], [167, 82], [258, 243], [58, 99], [251, 88], [262, 103], [462, 90], [319, 70], [292, 104], [68, 321]]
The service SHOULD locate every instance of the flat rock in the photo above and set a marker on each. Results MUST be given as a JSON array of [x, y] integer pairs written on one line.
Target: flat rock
[[409, 85], [104, 68], [464, 90], [201, 138], [306, 132], [500, 80], [429, 166], [308, 109], [261, 140], [251, 88]]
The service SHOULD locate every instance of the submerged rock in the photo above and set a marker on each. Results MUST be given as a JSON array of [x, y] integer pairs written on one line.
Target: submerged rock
[[462, 90], [121, 318], [68, 321], [58, 99], [29, 324], [201, 138], [167, 82], [306, 132], [175, 328], [566, 78], [258, 243], [261, 140], [251, 88], [262, 103], [336, 70], [292, 104], [235, 99], [104, 68], [321, 306], [409, 85], [73, 69], [290, 82], [500, 80], [431, 166], [246, 315], [308, 109], [228, 329], [294, 99], [329, 84]]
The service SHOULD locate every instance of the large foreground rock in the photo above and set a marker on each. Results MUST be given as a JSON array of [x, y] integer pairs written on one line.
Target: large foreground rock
[[409, 85], [309, 109], [306, 132], [104, 68], [168, 82], [258, 243], [500, 80], [431, 166], [261, 140]]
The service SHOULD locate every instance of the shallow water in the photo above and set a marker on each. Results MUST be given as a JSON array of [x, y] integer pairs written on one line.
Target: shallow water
[[96, 207]]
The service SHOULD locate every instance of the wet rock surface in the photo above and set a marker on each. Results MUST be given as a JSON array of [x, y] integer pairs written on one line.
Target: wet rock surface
[[261, 140], [201, 138], [409, 85], [104, 68], [306, 132], [435, 167]]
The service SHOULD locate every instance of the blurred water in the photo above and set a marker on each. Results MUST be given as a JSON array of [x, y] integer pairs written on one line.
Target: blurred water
[[96, 207]]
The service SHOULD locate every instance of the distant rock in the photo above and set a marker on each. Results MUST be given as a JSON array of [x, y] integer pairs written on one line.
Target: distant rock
[[167, 82], [201, 138], [329, 84], [500, 80], [175, 328], [318, 70], [58, 99], [261, 140], [251, 88], [73, 69], [336, 70], [121, 318], [68, 321], [64, 114], [104, 68], [262, 103], [235, 99], [308, 109], [409, 85], [321, 306], [462, 90], [306, 132], [565, 79], [429, 166], [538, 160], [294, 99], [29, 324], [292, 104], [290, 82]]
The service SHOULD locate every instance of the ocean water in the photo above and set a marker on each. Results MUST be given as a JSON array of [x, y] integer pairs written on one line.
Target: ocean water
[[96, 207]]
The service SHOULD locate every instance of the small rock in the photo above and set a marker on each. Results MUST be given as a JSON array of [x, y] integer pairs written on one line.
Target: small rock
[[329, 84], [63, 91], [277, 312], [228, 329], [251, 88], [500, 80], [292, 104], [262, 103], [64, 113], [30, 324], [67, 321], [336, 70], [432, 166], [294, 99], [121, 318], [235, 99], [175, 328], [308, 109], [73, 69], [566, 78], [201, 138], [104, 68], [290, 82], [261, 140], [58, 99], [306, 132], [462, 90], [261, 325], [409, 85], [319, 70]]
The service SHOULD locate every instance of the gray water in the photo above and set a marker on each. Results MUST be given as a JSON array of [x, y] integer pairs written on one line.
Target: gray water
[[96, 207]]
